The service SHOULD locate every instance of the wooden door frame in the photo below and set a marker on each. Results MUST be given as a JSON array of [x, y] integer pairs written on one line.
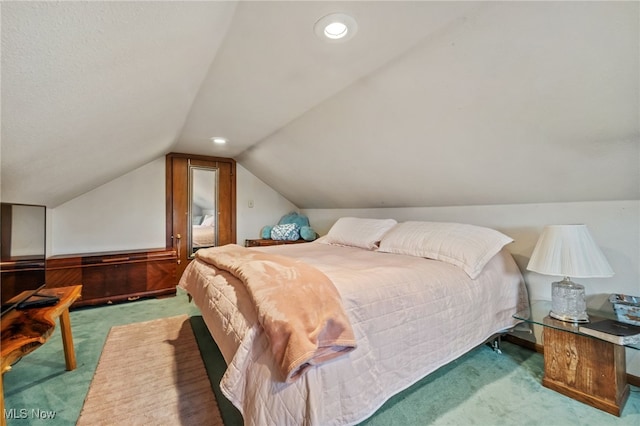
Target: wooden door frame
[[169, 185]]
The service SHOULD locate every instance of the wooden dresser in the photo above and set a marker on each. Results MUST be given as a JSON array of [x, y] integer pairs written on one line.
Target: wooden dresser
[[117, 276], [18, 275]]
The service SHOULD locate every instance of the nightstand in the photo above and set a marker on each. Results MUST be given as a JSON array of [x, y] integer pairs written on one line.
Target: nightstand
[[585, 368], [263, 242]]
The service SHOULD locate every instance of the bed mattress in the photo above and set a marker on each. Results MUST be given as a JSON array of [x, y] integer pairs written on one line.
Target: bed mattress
[[410, 316]]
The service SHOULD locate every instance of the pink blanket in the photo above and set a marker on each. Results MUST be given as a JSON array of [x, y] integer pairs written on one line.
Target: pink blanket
[[298, 307]]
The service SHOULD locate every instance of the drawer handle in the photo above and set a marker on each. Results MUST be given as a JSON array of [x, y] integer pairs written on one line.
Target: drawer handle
[[115, 259], [179, 238], [163, 254]]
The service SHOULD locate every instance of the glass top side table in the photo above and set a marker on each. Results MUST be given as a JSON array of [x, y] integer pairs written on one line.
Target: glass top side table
[[539, 314], [578, 365]]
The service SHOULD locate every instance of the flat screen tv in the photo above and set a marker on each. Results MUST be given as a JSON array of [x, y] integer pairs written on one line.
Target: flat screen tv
[[22, 249]]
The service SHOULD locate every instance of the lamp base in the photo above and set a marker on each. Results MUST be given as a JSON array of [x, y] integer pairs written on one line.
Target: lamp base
[[568, 318], [568, 301]]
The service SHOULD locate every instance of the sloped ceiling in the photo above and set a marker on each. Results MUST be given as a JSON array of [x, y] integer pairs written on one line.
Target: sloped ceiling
[[92, 90], [431, 103]]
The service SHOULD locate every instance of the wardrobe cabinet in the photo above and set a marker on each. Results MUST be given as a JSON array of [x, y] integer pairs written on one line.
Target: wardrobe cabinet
[[201, 204]]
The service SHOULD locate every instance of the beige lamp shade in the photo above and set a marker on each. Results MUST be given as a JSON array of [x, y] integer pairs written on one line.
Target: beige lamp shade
[[568, 251]]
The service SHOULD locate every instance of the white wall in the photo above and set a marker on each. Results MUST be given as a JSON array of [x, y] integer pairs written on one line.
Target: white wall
[[129, 213], [268, 205], [615, 226], [125, 213]]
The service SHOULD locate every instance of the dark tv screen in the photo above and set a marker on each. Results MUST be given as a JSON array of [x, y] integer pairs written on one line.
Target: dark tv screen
[[22, 248]]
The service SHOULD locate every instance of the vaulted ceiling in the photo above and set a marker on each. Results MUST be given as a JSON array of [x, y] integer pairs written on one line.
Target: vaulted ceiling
[[429, 104]]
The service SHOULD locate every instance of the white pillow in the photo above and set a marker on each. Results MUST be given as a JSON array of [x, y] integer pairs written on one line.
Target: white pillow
[[358, 232], [209, 220], [466, 246]]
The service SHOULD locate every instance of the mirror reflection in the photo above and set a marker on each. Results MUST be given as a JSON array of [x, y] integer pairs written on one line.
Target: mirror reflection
[[203, 216], [23, 232], [22, 248]]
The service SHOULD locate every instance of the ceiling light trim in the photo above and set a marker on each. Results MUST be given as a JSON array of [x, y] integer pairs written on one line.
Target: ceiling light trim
[[336, 27]]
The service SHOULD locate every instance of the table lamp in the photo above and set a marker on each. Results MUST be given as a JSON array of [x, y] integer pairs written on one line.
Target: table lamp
[[568, 251]]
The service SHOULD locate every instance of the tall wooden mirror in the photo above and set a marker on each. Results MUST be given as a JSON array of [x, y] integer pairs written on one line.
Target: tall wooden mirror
[[22, 248], [201, 204], [202, 231]]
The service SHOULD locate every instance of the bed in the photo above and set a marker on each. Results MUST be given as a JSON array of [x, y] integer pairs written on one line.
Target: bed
[[203, 230], [418, 295], [203, 236]]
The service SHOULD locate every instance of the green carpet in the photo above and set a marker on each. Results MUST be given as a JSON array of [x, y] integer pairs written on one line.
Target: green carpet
[[481, 388]]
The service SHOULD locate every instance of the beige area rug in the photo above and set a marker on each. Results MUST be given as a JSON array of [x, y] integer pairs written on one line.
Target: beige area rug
[[151, 373]]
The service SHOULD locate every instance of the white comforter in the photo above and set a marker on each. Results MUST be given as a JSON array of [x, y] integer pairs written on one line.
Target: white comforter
[[410, 316]]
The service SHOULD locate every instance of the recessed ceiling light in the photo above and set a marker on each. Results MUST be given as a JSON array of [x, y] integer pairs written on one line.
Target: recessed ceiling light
[[218, 140], [336, 27], [336, 30]]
